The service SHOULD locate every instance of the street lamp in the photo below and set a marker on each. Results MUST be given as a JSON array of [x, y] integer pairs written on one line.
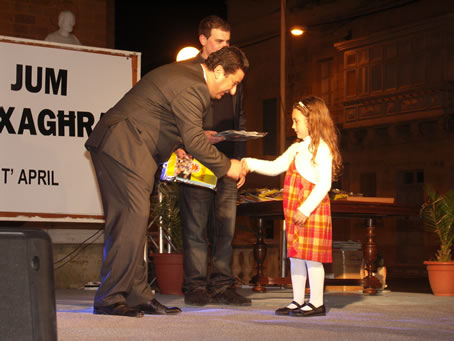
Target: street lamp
[[297, 30]]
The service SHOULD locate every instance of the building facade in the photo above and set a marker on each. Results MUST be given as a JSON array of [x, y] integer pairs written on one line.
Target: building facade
[[386, 71]]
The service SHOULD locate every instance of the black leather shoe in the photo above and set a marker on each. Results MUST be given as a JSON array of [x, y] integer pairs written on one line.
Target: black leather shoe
[[153, 307], [319, 311], [118, 309], [198, 297], [286, 311], [230, 297]]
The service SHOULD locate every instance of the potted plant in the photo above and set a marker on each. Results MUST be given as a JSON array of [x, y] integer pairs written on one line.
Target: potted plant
[[438, 215], [165, 214]]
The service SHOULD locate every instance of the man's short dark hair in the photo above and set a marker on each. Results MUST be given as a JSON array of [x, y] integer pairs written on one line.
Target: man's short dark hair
[[210, 22], [231, 58]]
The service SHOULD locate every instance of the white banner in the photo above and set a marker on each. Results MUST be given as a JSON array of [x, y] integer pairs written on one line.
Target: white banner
[[51, 97]]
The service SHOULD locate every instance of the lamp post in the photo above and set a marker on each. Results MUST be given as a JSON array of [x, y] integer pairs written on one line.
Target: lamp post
[[283, 79], [297, 31]]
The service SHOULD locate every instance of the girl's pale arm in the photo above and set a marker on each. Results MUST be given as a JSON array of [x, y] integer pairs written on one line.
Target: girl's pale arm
[[271, 168]]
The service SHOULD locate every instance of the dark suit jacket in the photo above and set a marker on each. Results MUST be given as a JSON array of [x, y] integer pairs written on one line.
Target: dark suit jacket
[[164, 109]]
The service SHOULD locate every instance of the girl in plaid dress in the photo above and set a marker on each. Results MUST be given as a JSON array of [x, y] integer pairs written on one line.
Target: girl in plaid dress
[[312, 163]]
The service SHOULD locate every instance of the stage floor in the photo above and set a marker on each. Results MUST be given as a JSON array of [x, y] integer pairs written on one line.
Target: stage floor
[[391, 315]]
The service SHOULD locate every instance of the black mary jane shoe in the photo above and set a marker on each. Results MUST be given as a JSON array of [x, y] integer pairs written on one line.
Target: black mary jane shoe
[[118, 309], [319, 311], [286, 311]]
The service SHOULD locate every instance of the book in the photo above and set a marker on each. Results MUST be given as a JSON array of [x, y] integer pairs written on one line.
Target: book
[[338, 194], [260, 194], [188, 170], [240, 135]]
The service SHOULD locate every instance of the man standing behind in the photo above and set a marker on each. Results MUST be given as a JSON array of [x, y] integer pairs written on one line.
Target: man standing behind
[[163, 110], [208, 217]]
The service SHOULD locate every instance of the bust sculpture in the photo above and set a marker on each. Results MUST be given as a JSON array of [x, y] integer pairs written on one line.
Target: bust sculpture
[[66, 22]]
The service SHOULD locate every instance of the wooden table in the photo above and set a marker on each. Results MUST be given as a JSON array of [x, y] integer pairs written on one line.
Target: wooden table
[[339, 208]]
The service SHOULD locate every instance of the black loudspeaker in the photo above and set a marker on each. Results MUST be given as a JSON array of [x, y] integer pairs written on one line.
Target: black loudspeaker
[[27, 303]]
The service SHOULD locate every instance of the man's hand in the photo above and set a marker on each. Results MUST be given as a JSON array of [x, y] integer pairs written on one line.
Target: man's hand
[[245, 168], [244, 171], [299, 218], [213, 139], [234, 171], [241, 181]]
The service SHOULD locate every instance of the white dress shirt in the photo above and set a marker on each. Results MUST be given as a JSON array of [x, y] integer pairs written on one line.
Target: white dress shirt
[[319, 172]]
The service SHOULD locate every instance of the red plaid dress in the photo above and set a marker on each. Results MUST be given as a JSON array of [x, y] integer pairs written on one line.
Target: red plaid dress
[[313, 241]]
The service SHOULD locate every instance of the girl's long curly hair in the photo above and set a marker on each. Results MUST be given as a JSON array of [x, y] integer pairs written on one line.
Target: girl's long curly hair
[[321, 126]]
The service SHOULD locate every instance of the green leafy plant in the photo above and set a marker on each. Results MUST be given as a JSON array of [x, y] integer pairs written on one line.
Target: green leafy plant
[[438, 215], [165, 211]]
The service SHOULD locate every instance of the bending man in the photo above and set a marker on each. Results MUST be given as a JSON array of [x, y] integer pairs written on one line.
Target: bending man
[[163, 110]]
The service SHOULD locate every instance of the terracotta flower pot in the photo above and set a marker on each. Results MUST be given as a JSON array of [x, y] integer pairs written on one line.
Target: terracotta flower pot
[[169, 272], [441, 277]]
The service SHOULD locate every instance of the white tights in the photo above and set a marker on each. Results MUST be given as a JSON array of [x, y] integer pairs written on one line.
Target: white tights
[[316, 281]]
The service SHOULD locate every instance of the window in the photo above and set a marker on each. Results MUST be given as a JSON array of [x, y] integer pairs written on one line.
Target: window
[[327, 81], [368, 184], [410, 186]]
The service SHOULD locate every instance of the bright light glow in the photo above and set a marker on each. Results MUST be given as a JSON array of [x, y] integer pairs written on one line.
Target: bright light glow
[[187, 53], [297, 31]]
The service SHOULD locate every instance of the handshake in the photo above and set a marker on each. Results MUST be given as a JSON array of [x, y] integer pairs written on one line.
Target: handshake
[[238, 171]]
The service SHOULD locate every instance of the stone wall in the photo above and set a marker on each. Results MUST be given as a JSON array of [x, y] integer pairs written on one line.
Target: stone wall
[[78, 270], [36, 19]]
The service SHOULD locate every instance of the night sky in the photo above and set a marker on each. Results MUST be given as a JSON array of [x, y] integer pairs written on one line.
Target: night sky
[[160, 31]]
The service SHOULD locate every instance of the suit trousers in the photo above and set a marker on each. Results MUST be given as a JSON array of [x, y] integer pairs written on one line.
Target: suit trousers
[[208, 220], [126, 203]]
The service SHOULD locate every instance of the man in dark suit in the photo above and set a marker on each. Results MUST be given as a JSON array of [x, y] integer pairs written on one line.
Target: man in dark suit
[[163, 110], [208, 217]]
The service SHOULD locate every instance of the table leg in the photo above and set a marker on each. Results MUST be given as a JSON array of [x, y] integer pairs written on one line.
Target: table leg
[[259, 256], [284, 251], [370, 282]]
